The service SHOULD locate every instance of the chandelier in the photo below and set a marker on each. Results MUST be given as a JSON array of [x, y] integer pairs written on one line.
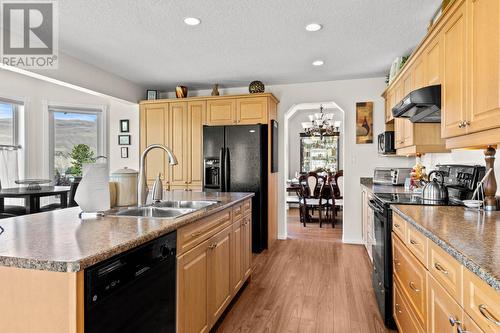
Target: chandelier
[[321, 124]]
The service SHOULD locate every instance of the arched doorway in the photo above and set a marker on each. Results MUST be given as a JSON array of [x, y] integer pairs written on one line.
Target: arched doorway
[[282, 226]]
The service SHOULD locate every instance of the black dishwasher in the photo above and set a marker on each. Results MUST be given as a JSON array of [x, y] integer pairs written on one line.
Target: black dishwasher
[[133, 291]]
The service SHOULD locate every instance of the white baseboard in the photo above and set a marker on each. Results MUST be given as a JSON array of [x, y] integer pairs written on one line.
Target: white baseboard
[[356, 241], [282, 236]]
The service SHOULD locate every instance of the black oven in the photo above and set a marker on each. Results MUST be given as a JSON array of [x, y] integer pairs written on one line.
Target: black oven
[[382, 259]]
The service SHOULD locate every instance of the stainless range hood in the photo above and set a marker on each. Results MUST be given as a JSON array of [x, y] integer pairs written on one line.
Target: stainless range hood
[[420, 106]]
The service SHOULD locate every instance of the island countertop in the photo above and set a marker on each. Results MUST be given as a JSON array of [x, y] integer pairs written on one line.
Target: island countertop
[[472, 237], [60, 241]]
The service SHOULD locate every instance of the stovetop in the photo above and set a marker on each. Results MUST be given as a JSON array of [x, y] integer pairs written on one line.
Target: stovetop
[[412, 199]]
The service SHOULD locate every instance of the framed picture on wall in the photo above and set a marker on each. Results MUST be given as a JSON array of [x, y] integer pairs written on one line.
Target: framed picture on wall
[[124, 140], [124, 152], [364, 122], [124, 126]]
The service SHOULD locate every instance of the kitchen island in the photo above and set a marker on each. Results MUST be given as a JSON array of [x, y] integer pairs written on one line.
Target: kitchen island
[[43, 258]]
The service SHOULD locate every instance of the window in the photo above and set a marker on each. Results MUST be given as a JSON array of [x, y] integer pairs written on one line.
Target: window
[[8, 123], [70, 127]]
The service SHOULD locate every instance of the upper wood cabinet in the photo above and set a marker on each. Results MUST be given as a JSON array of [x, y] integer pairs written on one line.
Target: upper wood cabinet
[[154, 129], [221, 112], [453, 93], [419, 73], [432, 61], [483, 68], [251, 110], [247, 110], [461, 52], [178, 143], [195, 118]]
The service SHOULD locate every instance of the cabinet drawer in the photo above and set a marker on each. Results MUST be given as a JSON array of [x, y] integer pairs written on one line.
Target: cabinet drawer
[[416, 243], [195, 233], [446, 270], [405, 319], [411, 275], [247, 207], [398, 226], [237, 211], [469, 325], [481, 302]]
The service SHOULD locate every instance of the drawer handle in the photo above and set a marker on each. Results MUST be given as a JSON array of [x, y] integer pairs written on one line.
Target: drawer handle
[[396, 225], [398, 309], [483, 308], [454, 321], [412, 286], [413, 242], [196, 234], [440, 268], [396, 262], [212, 246]]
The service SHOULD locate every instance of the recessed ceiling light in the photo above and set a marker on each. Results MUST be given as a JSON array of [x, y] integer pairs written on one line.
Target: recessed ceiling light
[[192, 21], [314, 27], [318, 63]]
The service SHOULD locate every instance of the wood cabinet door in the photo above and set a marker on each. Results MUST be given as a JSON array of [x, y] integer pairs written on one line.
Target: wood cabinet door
[[196, 111], [440, 308], [154, 129], [252, 110], [399, 132], [408, 82], [192, 290], [484, 64], [237, 255], [388, 106], [419, 73], [433, 63], [453, 97], [179, 129], [221, 112], [404, 317], [247, 245], [408, 132], [219, 280]]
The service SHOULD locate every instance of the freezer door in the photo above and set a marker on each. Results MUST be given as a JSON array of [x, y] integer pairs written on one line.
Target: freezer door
[[213, 141], [243, 154]]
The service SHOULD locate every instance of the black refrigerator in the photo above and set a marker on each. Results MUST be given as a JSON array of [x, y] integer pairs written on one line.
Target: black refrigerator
[[241, 156]]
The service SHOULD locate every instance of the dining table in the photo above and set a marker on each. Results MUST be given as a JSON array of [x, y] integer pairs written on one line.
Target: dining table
[[32, 196]]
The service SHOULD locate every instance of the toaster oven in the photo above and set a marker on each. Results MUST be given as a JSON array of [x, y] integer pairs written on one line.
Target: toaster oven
[[390, 176]]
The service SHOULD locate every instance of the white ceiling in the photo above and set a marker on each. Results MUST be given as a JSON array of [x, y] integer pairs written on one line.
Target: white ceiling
[[239, 41]]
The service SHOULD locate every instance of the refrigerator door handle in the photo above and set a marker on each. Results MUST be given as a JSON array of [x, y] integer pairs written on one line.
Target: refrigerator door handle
[[227, 172], [222, 176]]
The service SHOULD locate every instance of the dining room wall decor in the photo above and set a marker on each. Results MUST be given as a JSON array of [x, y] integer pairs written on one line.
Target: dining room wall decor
[[364, 122]]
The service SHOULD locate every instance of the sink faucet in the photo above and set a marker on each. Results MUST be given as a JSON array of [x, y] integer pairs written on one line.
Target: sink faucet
[[142, 187]]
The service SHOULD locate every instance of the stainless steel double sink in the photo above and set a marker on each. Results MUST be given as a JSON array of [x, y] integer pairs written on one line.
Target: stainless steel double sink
[[163, 209]]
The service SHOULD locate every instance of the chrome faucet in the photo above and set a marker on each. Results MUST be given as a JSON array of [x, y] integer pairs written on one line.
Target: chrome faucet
[[142, 187]]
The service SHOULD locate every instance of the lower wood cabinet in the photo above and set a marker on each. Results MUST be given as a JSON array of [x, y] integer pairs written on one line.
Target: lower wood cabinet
[[444, 314], [433, 292], [211, 273]]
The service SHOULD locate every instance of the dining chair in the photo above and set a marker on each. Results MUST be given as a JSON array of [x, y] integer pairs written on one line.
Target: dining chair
[[312, 198], [71, 199], [339, 184]]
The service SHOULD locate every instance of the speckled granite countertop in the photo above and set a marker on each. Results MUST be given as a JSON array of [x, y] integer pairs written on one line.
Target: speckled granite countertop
[[368, 183], [60, 241], [471, 237]]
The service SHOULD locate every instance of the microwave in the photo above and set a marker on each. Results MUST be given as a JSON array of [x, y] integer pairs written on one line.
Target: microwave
[[391, 176], [386, 143]]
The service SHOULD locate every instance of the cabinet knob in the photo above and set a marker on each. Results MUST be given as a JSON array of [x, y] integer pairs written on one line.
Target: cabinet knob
[[467, 123], [453, 320], [461, 124]]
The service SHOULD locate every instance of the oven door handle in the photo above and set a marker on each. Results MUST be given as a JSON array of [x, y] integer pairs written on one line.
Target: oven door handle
[[375, 208]]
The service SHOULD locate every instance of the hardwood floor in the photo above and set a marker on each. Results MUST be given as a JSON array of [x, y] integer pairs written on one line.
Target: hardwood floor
[[307, 284], [312, 231]]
